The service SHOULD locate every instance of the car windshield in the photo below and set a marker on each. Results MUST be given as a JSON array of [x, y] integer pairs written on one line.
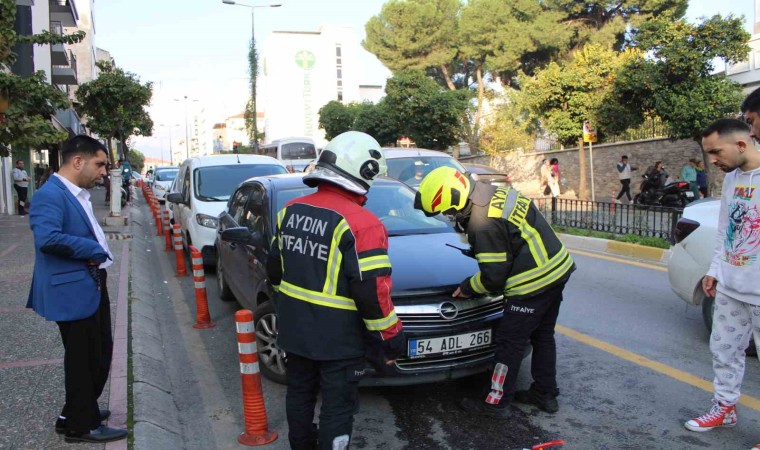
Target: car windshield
[[299, 150], [166, 174], [411, 170], [392, 204], [216, 183]]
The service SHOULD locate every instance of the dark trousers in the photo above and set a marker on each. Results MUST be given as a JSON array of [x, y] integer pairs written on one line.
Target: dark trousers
[[88, 349], [531, 319], [21, 192], [339, 382], [625, 189]]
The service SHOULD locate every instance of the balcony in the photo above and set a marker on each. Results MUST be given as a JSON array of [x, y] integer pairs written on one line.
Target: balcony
[[66, 74], [58, 55], [70, 120], [64, 11]]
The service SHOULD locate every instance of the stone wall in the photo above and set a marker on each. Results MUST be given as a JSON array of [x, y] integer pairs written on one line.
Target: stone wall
[[524, 168]]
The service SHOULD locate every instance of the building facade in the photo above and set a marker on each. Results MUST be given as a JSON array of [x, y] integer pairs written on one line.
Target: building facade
[[301, 72]]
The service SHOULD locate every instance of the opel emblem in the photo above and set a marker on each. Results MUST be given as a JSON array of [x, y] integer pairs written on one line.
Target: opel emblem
[[448, 310]]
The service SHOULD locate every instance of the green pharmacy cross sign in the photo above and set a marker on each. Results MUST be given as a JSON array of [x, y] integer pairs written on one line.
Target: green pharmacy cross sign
[[305, 59]]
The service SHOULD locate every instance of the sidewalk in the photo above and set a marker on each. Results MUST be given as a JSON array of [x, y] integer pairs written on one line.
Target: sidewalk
[[31, 353]]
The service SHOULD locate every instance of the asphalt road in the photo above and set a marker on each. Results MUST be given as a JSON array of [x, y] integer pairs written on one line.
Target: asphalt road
[[633, 365]]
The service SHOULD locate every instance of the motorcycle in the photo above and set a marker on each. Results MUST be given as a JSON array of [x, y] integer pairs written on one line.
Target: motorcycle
[[676, 194]]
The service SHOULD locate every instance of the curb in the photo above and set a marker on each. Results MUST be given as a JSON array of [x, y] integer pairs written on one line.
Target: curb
[[155, 414], [626, 249]]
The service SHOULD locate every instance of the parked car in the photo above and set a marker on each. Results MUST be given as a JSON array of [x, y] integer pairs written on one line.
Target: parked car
[[692, 250], [487, 174], [163, 177], [425, 273], [204, 187], [410, 165]]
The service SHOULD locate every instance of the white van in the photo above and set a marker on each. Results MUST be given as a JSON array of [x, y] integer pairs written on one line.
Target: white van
[[295, 152], [203, 186]]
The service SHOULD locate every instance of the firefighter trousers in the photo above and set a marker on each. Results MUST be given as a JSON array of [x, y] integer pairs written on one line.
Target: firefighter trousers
[[528, 320], [338, 382]]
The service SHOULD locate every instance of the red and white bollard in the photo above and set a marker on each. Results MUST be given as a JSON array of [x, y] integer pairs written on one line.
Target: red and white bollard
[[159, 220], [181, 270], [254, 410], [202, 316], [167, 231]]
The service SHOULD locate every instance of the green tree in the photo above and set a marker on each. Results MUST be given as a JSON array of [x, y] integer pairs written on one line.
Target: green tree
[[136, 159], [115, 104], [510, 129], [251, 124], [336, 118], [32, 100]]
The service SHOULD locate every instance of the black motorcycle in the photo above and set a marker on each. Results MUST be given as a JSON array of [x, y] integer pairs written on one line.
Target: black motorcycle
[[676, 194]]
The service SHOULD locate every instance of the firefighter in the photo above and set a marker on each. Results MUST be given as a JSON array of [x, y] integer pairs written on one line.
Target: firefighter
[[329, 263], [520, 257]]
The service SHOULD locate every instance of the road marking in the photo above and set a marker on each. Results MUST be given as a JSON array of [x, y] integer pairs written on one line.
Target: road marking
[[620, 260], [642, 361], [9, 249]]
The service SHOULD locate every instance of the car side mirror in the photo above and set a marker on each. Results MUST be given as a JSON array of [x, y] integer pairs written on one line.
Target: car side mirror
[[242, 235], [175, 197]]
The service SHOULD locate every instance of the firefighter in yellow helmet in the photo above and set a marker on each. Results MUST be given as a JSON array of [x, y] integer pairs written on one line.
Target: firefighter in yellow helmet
[[519, 256]]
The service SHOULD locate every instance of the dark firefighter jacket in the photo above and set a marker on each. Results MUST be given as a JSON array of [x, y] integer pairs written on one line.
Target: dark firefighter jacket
[[517, 251], [329, 262]]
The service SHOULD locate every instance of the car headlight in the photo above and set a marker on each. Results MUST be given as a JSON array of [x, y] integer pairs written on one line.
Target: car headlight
[[206, 220]]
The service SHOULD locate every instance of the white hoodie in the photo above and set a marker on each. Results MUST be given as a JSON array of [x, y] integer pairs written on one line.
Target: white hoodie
[[736, 263]]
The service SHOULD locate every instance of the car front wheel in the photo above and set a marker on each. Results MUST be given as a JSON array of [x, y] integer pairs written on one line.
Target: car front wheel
[[708, 308], [224, 290], [271, 358]]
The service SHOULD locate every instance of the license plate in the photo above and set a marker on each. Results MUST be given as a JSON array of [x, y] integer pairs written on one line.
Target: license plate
[[449, 345], [689, 194]]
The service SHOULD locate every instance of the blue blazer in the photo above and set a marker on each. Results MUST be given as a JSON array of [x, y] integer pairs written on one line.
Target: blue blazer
[[63, 287]]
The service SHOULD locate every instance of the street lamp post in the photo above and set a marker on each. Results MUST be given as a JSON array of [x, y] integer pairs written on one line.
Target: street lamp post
[[171, 151], [254, 75], [187, 140]]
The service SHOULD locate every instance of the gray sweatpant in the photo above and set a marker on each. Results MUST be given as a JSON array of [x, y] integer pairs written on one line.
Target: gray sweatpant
[[734, 323]]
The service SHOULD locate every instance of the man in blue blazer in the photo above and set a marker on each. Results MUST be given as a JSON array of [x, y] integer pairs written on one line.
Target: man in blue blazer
[[69, 285]]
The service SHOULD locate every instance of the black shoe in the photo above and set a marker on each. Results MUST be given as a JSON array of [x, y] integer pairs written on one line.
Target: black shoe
[[100, 434], [545, 402], [482, 408], [60, 424]]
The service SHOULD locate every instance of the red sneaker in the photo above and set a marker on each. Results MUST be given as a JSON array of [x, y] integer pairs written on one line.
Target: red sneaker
[[719, 416], [756, 447]]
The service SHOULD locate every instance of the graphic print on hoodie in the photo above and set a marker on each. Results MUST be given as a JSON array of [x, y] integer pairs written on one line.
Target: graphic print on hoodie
[[743, 231]]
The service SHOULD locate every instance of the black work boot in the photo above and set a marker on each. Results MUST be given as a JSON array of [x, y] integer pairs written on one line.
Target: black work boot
[[478, 406], [545, 402]]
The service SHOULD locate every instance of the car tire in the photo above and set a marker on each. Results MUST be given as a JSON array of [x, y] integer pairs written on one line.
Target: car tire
[[708, 306], [271, 358], [225, 293]]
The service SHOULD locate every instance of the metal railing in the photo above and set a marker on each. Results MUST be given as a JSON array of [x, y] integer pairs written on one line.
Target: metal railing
[[56, 28], [615, 218]]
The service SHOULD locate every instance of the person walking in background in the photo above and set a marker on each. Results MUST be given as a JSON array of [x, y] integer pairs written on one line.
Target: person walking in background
[[689, 174], [546, 172], [735, 267], [657, 174], [701, 178], [554, 177], [69, 286], [624, 173], [21, 185]]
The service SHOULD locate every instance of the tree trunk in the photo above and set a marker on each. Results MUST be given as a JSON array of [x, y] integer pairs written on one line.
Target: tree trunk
[[124, 150], [712, 173], [583, 186], [481, 93], [111, 154], [446, 77]]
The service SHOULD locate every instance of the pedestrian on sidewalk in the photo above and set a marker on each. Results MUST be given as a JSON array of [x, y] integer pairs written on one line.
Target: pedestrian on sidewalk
[[69, 285], [689, 174], [701, 178], [21, 185], [328, 332], [506, 232], [554, 177], [735, 267], [624, 173]]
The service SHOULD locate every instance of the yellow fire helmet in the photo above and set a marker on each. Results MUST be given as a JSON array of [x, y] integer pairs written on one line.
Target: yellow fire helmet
[[443, 190]]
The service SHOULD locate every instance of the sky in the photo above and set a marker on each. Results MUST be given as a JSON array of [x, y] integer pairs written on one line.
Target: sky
[[198, 49]]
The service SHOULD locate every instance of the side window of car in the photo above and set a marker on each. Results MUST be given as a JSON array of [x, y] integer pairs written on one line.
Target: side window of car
[[237, 206], [256, 212], [186, 185]]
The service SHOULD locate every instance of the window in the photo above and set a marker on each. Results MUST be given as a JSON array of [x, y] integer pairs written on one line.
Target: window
[[216, 183], [166, 174], [186, 185], [339, 70], [337, 50], [255, 217], [298, 150], [238, 203]]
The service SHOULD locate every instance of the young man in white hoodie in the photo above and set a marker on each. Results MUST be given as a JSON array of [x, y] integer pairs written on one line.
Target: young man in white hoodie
[[735, 268]]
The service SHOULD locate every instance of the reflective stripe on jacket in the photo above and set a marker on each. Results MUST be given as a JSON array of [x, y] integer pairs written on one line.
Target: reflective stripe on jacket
[[329, 262], [517, 251]]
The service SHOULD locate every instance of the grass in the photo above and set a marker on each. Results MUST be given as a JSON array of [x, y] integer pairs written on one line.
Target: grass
[[629, 238]]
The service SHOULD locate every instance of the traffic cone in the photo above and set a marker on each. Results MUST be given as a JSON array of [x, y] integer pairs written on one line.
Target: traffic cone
[[202, 316], [254, 410], [181, 269], [167, 231]]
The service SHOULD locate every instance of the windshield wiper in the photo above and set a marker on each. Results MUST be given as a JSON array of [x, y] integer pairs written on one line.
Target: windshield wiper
[[209, 199]]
